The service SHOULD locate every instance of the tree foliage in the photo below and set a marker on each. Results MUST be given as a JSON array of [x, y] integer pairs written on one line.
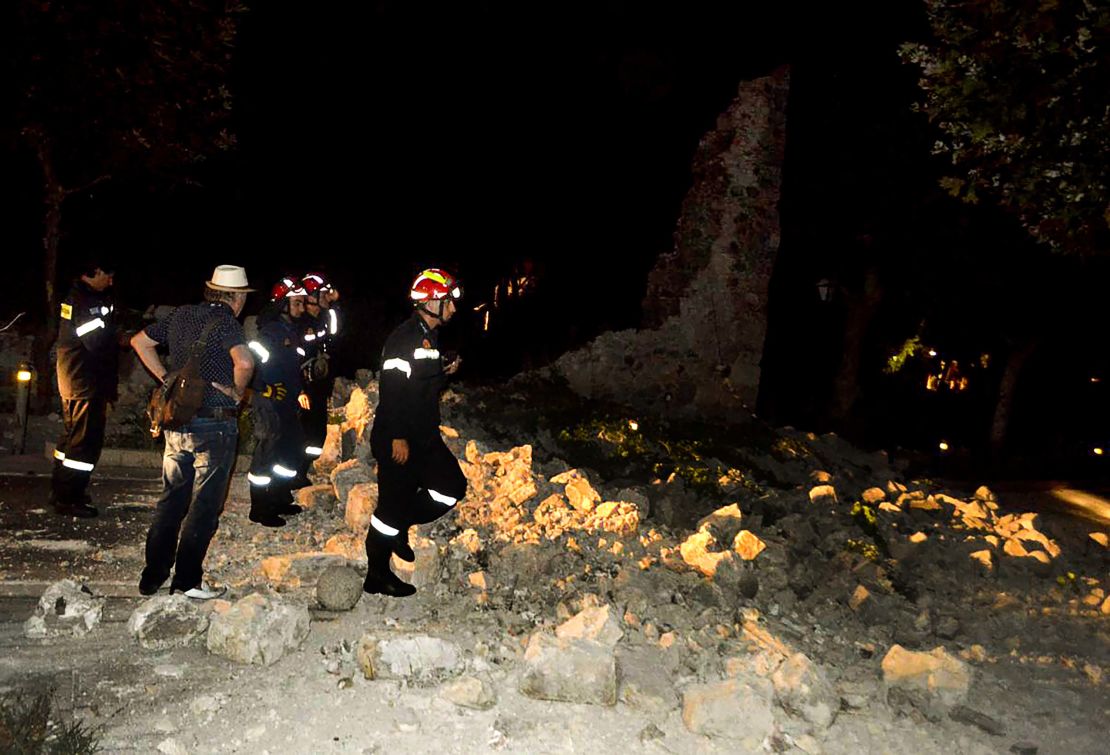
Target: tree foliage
[[111, 87], [1020, 91]]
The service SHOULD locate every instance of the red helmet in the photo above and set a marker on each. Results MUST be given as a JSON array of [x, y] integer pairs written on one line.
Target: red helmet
[[315, 282], [286, 287], [434, 284]]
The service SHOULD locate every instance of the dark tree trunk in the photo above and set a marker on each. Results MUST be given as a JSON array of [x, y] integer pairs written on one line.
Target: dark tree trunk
[[862, 309], [1003, 407]]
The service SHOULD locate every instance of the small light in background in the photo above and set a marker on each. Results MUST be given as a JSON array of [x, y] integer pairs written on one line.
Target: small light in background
[[943, 445], [1096, 451], [932, 352], [1096, 379], [23, 376], [633, 424]]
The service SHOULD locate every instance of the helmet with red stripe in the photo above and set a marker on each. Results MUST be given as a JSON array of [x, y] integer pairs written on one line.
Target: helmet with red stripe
[[314, 283], [286, 287], [434, 284]]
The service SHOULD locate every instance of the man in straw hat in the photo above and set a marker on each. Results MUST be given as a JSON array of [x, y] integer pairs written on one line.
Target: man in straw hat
[[198, 457]]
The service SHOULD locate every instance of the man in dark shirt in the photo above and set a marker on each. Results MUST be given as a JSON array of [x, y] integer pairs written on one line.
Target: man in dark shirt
[[419, 479], [88, 380], [198, 456]]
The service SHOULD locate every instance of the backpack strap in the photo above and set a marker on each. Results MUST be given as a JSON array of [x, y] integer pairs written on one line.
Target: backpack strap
[[197, 348]]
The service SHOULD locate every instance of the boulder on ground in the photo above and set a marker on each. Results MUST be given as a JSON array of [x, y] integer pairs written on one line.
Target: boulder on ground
[[932, 682], [802, 689], [339, 588], [65, 608], [361, 502], [417, 658], [597, 623], [737, 709], [258, 629], [470, 692], [573, 671], [167, 621], [348, 474]]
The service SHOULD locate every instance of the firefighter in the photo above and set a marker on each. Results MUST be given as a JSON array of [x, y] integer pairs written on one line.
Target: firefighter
[[320, 330], [88, 380], [277, 390], [419, 479]]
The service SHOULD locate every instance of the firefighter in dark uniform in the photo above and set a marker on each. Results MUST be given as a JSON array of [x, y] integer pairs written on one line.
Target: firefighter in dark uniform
[[277, 390], [88, 380], [419, 479], [320, 331]]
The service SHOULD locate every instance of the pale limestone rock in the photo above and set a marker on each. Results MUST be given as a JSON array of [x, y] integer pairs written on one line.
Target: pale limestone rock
[[859, 596], [362, 501], [294, 569], [645, 684], [576, 671], [723, 523], [479, 580], [928, 503], [315, 495], [761, 662], [348, 474], [822, 494], [65, 608], [936, 679], [695, 551], [581, 495], [350, 545], [597, 623], [737, 709], [417, 658], [619, 517], [470, 692], [167, 621], [258, 629], [333, 450], [425, 570], [802, 689], [747, 545], [873, 495]]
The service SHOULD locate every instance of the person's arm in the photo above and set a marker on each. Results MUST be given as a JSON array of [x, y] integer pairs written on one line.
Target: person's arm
[[242, 368], [147, 350]]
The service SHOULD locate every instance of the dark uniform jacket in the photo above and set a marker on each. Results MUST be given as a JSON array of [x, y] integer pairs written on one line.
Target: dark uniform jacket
[[319, 334], [88, 347], [411, 380], [279, 362]]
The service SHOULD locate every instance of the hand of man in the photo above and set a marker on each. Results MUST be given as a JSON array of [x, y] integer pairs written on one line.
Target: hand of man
[[400, 450], [302, 399], [229, 391], [452, 367], [274, 391]]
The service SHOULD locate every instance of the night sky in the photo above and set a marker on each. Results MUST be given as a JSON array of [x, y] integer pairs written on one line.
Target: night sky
[[378, 139]]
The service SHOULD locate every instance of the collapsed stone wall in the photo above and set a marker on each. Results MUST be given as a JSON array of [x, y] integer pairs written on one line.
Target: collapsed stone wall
[[705, 309]]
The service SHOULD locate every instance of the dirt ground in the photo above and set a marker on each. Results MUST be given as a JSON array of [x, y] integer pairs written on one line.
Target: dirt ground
[[1046, 691]]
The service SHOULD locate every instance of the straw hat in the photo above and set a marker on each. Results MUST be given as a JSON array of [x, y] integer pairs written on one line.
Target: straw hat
[[229, 278]]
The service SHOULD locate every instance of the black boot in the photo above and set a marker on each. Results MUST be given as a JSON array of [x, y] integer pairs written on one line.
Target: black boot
[[402, 548], [380, 579]]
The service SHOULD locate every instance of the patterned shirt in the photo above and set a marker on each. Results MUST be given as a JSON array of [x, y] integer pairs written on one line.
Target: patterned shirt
[[183, 327]]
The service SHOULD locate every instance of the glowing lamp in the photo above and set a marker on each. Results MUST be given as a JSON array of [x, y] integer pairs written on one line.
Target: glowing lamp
[[633, 424], [943, 446], [1097, 451]]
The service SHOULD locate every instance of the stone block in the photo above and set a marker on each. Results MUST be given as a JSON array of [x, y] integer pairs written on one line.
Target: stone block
[[66, 607], [416, 658], [598, 623], [575, 671], [362, 501], [167, 621], [258, 629], [735, 709], [802, 689]]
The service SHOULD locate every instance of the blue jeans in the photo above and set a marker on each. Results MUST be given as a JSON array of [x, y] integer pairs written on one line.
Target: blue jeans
[[196, 468]]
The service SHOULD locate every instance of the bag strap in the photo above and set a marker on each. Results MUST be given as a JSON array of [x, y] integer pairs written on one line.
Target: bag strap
[[202, 340]]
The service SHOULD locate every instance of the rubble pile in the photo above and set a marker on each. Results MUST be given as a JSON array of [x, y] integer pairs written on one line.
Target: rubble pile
[[778, 605]]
